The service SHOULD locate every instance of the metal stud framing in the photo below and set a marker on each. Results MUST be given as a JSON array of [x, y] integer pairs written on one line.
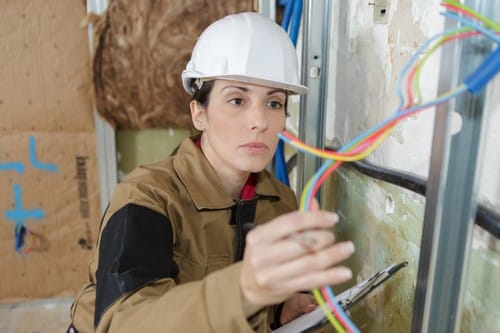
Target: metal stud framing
[[105, 134], [451, 199], [315, 55]]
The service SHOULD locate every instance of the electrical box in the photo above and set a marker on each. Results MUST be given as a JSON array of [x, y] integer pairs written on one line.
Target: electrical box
[[380, 11]]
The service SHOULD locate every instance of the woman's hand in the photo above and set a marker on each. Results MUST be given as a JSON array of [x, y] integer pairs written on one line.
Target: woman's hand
[[297, 305], [291, 253]]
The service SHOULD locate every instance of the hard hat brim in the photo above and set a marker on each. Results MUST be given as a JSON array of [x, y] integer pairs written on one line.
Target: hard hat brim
[[189, 76]]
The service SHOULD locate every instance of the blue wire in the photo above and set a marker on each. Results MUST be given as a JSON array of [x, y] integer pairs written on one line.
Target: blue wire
[[295, 21], [341, 311], [362, 136], [412, 60], [485, 31], [329, 163], [399, 113], [406, 68], [460, 90], [280, 169], [287, 14], [292, 16]]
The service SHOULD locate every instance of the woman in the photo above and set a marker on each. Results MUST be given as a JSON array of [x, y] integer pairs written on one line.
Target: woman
[[171, 254]]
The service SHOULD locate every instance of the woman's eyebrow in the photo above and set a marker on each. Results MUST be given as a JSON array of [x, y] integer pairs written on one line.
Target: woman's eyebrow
[[270, 92], [244, 89]]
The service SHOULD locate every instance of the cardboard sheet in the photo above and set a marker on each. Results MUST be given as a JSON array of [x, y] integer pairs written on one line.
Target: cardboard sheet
[[48, 167]]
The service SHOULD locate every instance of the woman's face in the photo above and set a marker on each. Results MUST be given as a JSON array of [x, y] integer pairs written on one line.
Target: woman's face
[[240, 125]]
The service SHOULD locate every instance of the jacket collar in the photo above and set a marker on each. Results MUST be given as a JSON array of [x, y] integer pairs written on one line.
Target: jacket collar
[[202, 183]]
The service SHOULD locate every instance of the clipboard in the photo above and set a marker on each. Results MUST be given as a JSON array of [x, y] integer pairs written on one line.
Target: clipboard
[[315, 319]]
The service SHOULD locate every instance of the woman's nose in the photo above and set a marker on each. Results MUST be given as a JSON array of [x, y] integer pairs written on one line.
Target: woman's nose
[[258, 119]]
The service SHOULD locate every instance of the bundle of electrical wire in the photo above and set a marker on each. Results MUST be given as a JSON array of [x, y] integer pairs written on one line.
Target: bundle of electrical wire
[[472, 24]]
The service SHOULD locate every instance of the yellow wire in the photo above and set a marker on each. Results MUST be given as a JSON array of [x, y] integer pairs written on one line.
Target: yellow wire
[[416, 82], [327, 311], [316, 293], [333, 156]]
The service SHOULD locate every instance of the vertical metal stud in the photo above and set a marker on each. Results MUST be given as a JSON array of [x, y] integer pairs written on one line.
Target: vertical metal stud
[[451, 198], [105, 134], [268, 8], [315, 55]]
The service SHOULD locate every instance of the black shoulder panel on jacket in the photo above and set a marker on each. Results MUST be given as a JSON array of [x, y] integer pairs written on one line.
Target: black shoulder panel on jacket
[[136, 248]]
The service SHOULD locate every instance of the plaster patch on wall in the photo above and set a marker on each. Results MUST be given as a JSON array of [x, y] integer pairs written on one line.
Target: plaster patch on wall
[[379, 33], [426, 12], [390, 205], [355, 24], [373, 203]]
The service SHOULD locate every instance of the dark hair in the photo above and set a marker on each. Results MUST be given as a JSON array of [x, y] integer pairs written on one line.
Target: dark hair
[[202, 94]]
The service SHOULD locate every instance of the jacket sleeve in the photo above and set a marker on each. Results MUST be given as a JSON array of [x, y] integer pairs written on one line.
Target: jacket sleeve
[[136, 289]]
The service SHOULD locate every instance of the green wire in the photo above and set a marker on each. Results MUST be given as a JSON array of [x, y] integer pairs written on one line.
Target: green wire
[[489, 23], [416, 82]]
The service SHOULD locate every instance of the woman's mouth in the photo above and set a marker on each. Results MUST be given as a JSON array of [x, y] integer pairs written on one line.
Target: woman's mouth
[[255, 147]]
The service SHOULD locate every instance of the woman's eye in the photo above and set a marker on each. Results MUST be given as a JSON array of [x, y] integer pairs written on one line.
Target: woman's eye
[[236, 101], [275, 105]]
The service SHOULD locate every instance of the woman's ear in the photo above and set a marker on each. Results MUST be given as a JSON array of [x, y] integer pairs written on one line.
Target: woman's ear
[[197, 115]]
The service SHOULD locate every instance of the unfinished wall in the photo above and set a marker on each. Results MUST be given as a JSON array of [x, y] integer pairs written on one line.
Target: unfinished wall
[[385, 221]]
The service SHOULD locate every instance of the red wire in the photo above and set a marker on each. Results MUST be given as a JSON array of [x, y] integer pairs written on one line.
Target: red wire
[[458, 9], [334, 309], [359, 148], [411, 75]]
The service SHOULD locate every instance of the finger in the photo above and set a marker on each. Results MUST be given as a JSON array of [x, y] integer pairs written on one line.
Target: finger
[[292, 247], [308, 264], [290, 223], [330, 277]]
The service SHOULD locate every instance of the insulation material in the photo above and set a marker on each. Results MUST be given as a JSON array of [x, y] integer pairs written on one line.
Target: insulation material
[[48, 169], [141, 48]]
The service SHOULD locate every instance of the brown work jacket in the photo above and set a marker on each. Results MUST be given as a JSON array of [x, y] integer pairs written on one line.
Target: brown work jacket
[[167, 255]]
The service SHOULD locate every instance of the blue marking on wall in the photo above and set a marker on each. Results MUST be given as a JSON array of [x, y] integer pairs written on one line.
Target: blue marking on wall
[[37, 164], [12, 166], [19, 215]]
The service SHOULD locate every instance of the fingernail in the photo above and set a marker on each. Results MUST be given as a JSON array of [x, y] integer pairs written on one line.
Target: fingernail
[[310, 308], [346, 274], [332, 217], [348, 248]]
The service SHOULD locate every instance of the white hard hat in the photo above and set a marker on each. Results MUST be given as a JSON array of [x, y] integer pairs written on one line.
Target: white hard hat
[[244, 47]]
